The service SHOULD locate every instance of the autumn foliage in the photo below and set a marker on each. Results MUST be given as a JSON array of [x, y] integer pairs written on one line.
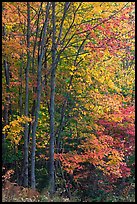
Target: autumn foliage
[[68, 97]]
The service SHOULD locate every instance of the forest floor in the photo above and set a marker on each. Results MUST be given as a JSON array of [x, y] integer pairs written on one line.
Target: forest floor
[[8, 196]]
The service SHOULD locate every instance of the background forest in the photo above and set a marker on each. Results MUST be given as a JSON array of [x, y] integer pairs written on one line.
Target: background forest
[[68, 92]]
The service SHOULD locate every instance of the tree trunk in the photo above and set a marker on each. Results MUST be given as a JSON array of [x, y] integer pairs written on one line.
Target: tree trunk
[[6, 107], [20, 88], [52, 103], [27, 99], [37, 108]]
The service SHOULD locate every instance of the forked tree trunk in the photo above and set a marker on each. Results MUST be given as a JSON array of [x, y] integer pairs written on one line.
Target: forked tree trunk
[[37, 107]]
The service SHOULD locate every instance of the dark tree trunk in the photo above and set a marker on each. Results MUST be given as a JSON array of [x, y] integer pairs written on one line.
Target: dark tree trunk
[[20, 88], [6, 106], [25, 179], [37, 107], [52, 104]]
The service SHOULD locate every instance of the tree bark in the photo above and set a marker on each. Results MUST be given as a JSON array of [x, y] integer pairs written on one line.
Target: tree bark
[[6, 106], [20, 88], [25, 179], [7, 77], [37, 108], [52, 104]]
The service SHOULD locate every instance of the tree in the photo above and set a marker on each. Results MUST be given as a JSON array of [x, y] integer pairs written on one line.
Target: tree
[[27, 99], [37, 108]]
